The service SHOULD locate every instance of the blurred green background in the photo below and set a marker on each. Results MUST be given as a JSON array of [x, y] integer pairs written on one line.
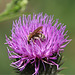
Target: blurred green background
[[64, 10]]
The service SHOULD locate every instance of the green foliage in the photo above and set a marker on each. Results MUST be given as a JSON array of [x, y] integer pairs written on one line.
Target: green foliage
[[13, 8]]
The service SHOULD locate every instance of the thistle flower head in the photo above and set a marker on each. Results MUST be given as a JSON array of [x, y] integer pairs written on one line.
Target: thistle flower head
[[54, 42]]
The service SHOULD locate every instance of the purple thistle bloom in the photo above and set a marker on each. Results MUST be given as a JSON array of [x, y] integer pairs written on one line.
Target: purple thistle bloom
[[54, 41]]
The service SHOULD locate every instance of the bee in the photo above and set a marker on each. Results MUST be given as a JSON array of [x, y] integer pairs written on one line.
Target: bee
[[36, 34]]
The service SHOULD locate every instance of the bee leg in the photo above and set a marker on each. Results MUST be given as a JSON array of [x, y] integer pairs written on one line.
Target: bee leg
[[36, 38], [33, 40]]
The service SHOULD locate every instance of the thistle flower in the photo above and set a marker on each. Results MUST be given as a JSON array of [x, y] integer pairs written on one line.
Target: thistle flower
[[46, 51]]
